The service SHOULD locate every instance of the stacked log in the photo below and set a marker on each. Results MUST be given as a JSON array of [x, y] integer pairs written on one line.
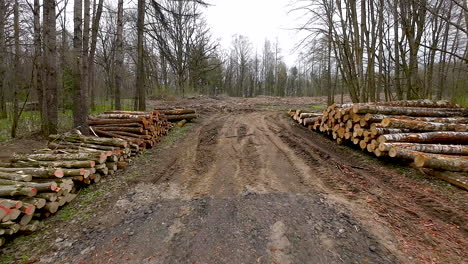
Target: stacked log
[[34, 186], [430, 134], [179, 115], [143, 129]]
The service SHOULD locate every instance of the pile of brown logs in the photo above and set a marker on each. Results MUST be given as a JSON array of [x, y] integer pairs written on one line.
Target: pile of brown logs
[[178, 115], [143, 129], [430, 134], [35, 186]]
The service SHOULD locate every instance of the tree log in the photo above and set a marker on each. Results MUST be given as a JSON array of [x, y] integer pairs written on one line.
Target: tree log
[[441, 162], [427, 148], [37, 202], [51, 197], [310, 121], [409, 111], [35, 172], [176, 111], [423, 126], [15, 177], [401, 153], [40, 187], [137, 130], [99, 158], [113, 135], [115, 142], [7, 190], [377, 131], [374, 118], [422, 103], [56, 164], [430, 137], [181, 117], [182, 123]]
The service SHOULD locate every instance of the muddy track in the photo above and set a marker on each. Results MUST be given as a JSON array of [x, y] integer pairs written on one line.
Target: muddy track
[[253, 187]]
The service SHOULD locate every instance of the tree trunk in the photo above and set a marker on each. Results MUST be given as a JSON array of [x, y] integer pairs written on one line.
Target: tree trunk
[[92, 51], [16, 79], [50, 67], [84, 100], [79, 119], [140, 78], [119, 56], [37, 71], [3, 110]]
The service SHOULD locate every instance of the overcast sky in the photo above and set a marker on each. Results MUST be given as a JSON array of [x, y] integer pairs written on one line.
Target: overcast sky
[[256, 19]]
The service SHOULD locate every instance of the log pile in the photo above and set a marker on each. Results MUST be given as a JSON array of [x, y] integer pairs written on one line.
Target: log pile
[[179, 116], [143, 129], [429, 134], [35, 186]]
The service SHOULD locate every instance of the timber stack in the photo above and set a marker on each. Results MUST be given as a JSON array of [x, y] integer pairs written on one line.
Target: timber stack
[[142, 129], [35, 186], [429, 134], [180, 116]]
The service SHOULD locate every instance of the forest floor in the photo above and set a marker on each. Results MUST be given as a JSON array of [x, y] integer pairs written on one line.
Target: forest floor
[[245, 184]]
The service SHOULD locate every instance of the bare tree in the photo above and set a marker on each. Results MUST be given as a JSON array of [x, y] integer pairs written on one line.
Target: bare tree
[[119, 55], [50, 67], [140, 74], [3, 111]]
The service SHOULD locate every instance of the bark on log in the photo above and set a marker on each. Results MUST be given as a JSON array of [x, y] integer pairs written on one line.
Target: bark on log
[[441, 162], [35, 172], [377, 131], [79, 146], [56, 164], [427, 148], [116, 136], [374, 118], [40, 187], [140, 120], [138, 130], [78, 172], [422, 103], [176, 111], [91, 140], [409, 111], [404, 154], [423, 126], [181, 117], [430, 137], [100, 158], [6, 190], [310, 121], [121, 116], [15, 177]]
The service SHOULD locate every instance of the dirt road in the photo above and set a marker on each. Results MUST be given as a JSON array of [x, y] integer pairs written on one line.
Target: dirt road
[[253, 187]]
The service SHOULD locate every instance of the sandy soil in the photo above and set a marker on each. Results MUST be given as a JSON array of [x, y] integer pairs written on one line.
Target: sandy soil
[[247, 185]]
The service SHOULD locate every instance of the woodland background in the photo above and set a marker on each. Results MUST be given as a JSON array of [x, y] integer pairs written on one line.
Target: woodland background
[[61, 60]]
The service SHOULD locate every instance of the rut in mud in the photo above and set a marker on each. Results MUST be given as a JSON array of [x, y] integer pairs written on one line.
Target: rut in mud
[[251, 187]]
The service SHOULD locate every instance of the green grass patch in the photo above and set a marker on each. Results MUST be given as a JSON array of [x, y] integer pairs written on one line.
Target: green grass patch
[[462, 100], [176, 133]]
